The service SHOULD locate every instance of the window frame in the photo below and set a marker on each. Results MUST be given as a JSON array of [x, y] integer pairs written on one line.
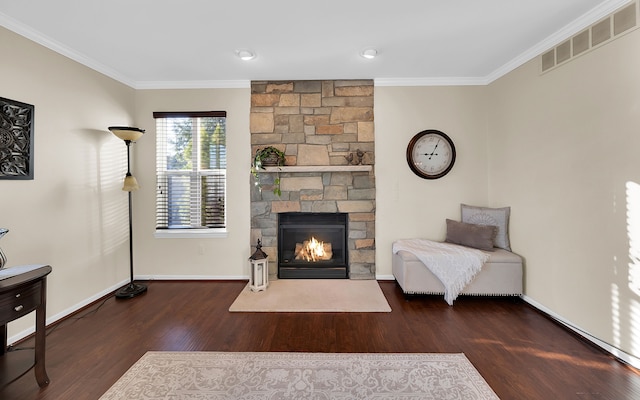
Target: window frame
[[182, 233]]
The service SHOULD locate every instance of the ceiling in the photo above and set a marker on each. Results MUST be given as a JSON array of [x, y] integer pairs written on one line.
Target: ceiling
[[192, 43]]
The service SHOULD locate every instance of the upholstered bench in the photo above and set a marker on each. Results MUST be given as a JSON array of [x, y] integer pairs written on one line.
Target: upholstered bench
[[501, 275], [478, 247]]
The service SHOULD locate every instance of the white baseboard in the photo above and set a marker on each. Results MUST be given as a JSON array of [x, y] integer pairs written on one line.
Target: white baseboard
[[21, 335], [623, 356], [64, 313], [192, 277]]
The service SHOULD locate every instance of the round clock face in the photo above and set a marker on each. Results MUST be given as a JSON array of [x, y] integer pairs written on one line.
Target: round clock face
[[431, 154]]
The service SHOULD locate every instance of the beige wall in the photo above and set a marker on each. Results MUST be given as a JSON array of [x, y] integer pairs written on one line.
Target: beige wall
[[564, 154], [408, 206], [192, 258], [73, 214]]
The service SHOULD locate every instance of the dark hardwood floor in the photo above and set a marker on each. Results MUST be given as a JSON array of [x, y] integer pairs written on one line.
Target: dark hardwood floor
[[520, 352]]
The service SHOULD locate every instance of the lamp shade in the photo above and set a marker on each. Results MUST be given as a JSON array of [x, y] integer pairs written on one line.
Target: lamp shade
[[130, 183], [127, 132]]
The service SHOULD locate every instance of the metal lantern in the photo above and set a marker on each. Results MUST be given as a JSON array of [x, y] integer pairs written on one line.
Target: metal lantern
[[259, 279]]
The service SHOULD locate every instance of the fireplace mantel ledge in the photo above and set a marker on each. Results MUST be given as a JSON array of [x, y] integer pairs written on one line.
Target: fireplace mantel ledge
[[320, 168]]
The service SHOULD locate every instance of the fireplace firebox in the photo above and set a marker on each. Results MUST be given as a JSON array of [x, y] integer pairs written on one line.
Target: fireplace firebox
[[312, 246]]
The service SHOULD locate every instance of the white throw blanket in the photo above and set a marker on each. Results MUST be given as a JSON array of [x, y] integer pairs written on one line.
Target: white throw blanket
[[454, 265]]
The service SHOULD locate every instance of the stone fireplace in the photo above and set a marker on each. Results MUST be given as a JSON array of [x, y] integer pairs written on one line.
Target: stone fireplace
[[326, 130]]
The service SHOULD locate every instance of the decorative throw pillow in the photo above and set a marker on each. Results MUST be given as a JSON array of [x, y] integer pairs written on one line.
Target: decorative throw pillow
[[490, 216], [471, 235]]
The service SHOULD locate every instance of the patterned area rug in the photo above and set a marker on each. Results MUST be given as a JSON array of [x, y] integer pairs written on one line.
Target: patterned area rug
[[314, 295], [218, 375]]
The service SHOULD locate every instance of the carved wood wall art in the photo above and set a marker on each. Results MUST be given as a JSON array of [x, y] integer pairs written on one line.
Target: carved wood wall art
[[16, 139]]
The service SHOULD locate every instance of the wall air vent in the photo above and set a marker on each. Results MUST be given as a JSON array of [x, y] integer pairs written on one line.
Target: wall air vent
[[548, 60], [601, 32], [563, 52], [580, 42], [624, 19], [598, 34]]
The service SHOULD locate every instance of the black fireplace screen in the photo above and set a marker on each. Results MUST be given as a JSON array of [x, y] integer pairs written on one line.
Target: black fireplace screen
[[312, 245]]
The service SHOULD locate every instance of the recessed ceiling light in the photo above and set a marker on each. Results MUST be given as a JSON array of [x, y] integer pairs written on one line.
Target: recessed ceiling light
[[369, 53], [245, 54]]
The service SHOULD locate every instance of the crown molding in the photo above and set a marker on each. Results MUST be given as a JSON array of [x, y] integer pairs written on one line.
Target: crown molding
[[444, 81], [36, 36], [594, 15], [227, 84]]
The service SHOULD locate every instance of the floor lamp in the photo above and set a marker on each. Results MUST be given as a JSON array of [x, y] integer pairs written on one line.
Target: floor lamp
[[129, 135], [3, 258]]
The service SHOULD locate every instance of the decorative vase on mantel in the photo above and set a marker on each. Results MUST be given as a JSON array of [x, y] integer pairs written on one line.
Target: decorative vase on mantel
[[3, 258]]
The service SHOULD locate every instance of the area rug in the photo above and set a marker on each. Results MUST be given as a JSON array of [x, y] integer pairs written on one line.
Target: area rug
[[314, 295], [220, 375]]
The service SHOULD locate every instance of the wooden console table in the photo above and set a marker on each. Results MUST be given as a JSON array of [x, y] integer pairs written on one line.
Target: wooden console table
[[19, 295]]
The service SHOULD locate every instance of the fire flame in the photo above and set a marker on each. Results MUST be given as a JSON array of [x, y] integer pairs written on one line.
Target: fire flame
[[314, 250]]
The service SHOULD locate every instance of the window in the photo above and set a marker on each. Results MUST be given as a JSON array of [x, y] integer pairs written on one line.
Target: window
[[191, 162]]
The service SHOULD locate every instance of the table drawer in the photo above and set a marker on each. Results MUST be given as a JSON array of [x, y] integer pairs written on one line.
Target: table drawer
[[18, 302]]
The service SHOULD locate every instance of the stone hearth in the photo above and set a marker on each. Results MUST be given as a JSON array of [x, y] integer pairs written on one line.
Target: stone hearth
[[326, 131]]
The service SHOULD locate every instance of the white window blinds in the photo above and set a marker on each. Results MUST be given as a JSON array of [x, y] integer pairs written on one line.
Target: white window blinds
[[191, 162]]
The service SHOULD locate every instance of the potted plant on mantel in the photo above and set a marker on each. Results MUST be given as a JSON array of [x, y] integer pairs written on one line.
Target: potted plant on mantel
[[268, 157]]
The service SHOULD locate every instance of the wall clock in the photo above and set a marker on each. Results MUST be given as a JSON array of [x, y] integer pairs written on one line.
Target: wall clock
[[431, 154]]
